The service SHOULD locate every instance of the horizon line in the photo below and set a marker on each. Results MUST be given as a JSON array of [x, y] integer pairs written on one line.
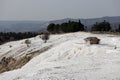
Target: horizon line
[[54, 19]]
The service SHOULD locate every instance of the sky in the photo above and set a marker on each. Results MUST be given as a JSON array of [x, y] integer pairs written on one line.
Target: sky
[[57, 9]]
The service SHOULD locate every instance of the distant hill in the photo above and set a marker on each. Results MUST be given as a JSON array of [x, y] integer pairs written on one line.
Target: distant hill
[[22, 26], [35, 26]]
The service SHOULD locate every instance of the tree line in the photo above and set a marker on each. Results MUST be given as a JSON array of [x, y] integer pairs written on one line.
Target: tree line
[[72, 26], [12, 36], [66, 27]]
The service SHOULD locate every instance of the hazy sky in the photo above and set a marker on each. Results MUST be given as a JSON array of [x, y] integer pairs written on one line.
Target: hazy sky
[[57, 9]]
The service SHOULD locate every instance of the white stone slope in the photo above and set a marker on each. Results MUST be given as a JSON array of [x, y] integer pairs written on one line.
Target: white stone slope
[[69, 58]]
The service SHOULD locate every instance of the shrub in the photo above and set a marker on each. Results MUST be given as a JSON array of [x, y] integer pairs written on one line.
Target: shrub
[[45, 37], [27, 42], [10, 46]]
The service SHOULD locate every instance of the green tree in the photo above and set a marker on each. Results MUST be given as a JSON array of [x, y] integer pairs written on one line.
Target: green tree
[[103, 26], [81, 26], [119, 27], [69, 26], [51, 27]]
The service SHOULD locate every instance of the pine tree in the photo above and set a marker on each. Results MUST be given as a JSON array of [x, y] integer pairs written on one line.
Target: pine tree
[[102, 26]]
